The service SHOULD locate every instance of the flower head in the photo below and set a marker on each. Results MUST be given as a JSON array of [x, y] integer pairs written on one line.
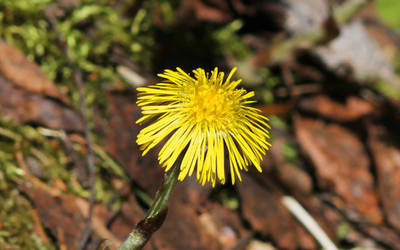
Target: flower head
[[205, 119]]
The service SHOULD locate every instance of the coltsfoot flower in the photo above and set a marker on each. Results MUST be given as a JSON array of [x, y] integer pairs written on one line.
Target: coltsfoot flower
[[204, 120]]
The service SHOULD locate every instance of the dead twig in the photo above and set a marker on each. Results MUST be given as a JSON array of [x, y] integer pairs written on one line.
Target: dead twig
[[308, 222], [90, 159]]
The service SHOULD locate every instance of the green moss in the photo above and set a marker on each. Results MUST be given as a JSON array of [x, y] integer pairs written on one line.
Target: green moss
[[227, 196], [16, 227], [17, 230], [388, 11], [342, 230], [229, 41], [386, 89], [290, 152], [277, 122], [270, 82]]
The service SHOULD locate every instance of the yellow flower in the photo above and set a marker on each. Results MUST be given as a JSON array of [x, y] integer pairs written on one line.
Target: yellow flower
[[204, 119]]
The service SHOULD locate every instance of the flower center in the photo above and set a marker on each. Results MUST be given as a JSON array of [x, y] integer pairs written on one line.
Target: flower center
[[211, 103]]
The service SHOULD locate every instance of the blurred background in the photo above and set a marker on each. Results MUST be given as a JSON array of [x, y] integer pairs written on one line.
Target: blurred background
[[326, 73]]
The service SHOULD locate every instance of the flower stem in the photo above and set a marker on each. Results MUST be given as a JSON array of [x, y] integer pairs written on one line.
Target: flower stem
[[155, 215]]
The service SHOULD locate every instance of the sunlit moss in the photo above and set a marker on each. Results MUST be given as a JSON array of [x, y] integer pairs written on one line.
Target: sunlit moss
[[91, 31]]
